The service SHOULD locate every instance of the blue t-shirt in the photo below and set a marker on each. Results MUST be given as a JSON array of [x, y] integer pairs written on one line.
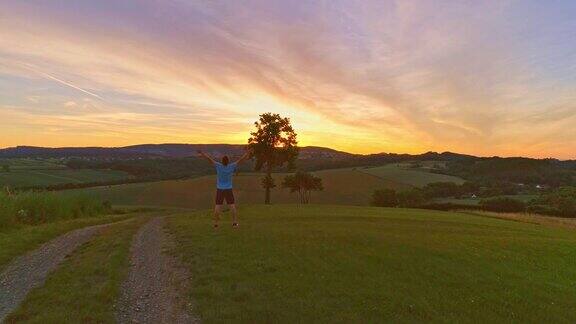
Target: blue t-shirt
[[224, 175]]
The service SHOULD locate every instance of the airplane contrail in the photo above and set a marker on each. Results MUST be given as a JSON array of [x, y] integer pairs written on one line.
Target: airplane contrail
[[51, 77]]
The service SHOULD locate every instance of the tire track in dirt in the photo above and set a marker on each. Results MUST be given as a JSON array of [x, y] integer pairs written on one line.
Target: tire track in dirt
[[154, 291], [31, 270]]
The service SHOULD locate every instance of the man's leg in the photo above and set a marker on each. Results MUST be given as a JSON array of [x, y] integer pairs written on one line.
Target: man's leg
[[217, 214], [218, 206], [230, 201], [234, 214]]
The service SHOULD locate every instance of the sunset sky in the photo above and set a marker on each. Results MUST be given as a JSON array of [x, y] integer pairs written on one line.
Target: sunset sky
[[479, 77]]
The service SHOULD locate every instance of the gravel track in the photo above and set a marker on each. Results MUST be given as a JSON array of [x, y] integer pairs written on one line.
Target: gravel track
[[153, 291], [30, 270]]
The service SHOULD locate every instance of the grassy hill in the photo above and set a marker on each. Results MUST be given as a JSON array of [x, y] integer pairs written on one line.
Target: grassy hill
[[350, 186], [289, 264], [400, 173]]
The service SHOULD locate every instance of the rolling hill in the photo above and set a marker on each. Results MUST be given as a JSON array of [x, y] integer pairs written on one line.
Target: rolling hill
[[413, 177], [348, 186]]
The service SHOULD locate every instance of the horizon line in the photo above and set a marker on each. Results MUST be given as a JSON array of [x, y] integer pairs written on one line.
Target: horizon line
[[326, 147]]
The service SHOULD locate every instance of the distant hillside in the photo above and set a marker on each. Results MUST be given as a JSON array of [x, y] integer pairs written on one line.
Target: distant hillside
[[152, 150], [153, 162], [144, 150], [318, 158]]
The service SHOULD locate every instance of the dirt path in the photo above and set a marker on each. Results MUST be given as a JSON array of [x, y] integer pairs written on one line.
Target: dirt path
[[152, 292], [30, 270]]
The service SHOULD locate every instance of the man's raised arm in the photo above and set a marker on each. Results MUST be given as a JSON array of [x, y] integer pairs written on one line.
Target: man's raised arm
[[206, 156], [244, 157]]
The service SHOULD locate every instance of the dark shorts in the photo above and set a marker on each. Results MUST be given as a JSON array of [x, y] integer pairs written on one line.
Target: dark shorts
[[224, 194]]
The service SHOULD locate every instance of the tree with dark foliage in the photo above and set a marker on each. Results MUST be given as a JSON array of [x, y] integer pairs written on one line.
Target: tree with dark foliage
[[413, 198], [503, 205], [559, 202], [441, 189], [385, 198], [273, 144]]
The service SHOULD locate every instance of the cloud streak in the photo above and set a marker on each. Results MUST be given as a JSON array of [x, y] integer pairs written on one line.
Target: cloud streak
[[68, 84]]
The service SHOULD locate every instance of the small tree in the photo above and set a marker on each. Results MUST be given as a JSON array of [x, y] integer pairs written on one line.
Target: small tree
[[303, 183], [273, 144], [268, 183]]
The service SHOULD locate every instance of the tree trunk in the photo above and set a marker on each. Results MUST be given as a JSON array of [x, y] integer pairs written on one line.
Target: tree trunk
[[269, 176]]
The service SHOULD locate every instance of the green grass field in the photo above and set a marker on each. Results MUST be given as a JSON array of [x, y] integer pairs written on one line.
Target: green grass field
[[295, 264], [47, 177], [351, 186], [399, 173]]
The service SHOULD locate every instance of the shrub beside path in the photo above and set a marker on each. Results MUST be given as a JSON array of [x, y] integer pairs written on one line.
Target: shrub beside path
[[154, 291], [30, 270]]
